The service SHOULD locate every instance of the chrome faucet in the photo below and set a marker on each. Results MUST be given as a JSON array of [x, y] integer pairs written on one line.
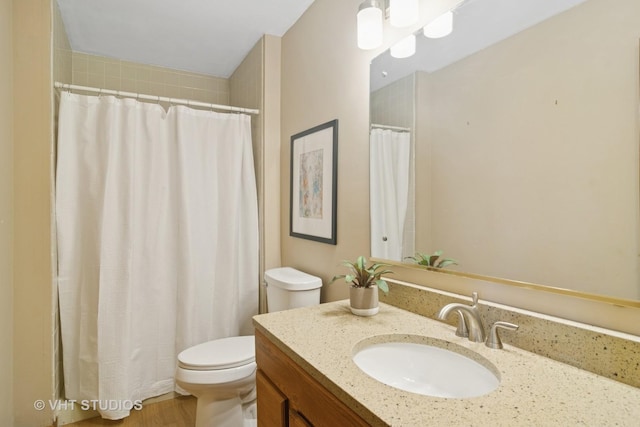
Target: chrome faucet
[[470, 316]]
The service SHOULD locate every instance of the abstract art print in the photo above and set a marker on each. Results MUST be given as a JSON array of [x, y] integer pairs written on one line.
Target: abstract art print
[[314, 183]]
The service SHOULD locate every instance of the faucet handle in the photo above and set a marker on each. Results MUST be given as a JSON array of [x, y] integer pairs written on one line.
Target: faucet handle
[[493, 341], [474, 298], [462, 330]]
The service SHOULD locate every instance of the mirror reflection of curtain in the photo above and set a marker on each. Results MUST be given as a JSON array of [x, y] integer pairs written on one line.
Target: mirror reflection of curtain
[[390, 153]]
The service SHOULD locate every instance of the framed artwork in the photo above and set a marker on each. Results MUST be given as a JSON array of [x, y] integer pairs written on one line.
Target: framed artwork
[[314, 184]]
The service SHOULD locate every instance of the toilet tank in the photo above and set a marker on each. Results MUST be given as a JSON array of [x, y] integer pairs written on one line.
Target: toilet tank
[[290, 288]]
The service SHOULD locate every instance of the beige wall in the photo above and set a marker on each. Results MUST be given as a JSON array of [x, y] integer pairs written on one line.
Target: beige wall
[[62, 53], [115, 74], [256, 84], [6, 214], [270, 110], [33, 291], [324, 77], [533, 152], [246, 89]]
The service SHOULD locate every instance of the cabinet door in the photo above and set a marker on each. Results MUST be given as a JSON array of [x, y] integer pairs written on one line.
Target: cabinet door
[[296, 420], [272, 404], [304, 393]]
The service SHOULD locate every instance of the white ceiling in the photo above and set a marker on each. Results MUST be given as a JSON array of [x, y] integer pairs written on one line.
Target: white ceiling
[[477, 25], [203, 36]]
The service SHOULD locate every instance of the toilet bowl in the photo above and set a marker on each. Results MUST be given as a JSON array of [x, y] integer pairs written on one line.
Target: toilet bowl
[[221, 373]]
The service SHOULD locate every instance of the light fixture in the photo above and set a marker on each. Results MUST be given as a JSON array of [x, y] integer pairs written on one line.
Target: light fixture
[[370, 22], [404, 48], [439, 27], [403, 13]]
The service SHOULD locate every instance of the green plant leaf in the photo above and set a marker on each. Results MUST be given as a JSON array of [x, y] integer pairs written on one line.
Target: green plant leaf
[[384, 272], [379, 265], [382, 285], [362, 275], [340, 276], [433, 259], [446, 262]]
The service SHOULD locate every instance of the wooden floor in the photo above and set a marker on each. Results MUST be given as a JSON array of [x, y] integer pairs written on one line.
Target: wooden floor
[[176, 412]]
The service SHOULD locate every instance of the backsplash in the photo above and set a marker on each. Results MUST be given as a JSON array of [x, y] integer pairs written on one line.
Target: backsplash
[[607, 353]]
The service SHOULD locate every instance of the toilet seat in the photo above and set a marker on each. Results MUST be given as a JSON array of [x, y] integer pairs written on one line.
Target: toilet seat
[[224, 353], [224, 377]]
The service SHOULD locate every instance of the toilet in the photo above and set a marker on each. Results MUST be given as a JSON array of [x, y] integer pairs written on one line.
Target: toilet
[[221, 373]]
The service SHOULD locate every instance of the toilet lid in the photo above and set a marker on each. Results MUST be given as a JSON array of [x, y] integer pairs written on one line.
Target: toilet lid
[[219, 354]]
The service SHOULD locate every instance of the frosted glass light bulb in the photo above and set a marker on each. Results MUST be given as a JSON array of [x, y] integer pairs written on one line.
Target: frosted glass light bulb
[[439, 27], [369, 25], [404, 48]]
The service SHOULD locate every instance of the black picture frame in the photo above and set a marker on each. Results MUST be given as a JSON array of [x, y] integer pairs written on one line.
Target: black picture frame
[[313, 186]]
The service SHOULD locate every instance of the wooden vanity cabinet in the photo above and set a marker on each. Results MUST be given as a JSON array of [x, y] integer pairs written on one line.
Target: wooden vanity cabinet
[[289, 397]]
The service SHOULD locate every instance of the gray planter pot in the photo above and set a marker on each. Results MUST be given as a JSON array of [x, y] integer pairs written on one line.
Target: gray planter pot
[[363, 301]]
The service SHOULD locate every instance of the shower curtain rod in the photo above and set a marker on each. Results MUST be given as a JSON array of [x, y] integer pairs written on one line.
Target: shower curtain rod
[[398, 128], [187, 102]]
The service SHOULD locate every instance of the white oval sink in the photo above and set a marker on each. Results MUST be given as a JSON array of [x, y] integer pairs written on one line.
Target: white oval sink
[[432, 367]]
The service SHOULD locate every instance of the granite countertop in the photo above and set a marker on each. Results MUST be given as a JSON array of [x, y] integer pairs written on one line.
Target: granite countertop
[[533, 390]]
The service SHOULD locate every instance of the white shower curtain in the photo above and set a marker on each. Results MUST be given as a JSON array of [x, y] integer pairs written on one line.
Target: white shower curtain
[[390, 153], [157, 236]]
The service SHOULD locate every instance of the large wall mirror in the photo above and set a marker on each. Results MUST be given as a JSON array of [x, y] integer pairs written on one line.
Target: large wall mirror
[[512, 145]]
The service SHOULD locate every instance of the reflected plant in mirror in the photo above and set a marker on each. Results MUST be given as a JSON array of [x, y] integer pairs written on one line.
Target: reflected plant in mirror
[[519, 146], [433, 260]]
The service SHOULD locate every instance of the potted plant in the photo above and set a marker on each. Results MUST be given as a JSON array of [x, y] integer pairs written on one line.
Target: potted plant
[[365, 281], [432, 261]]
